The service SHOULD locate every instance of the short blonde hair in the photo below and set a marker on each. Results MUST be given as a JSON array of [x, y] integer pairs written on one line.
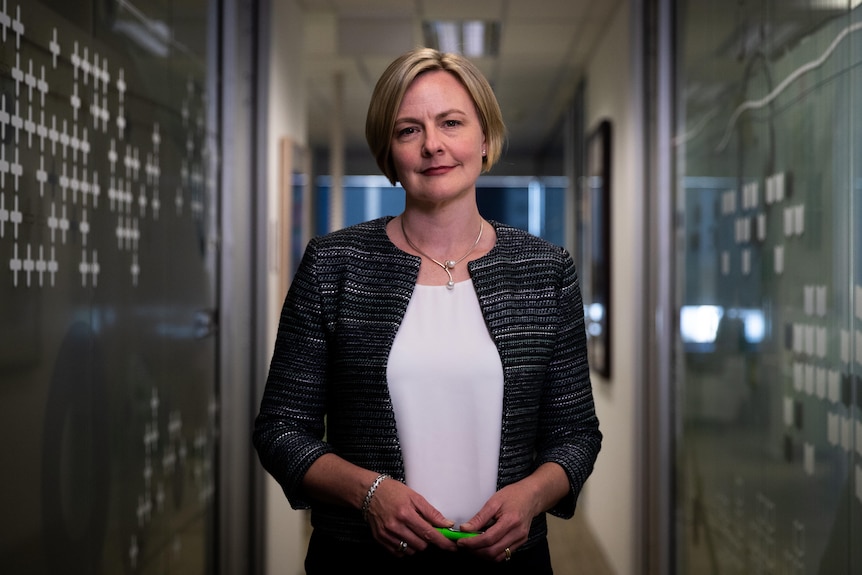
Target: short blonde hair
[[389, 91]]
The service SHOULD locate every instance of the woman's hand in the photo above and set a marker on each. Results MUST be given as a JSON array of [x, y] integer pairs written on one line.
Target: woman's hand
[[397, 515], [395, 512], [506, 517]]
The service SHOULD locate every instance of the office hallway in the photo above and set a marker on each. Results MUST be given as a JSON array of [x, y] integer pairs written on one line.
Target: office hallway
[[574, 550]]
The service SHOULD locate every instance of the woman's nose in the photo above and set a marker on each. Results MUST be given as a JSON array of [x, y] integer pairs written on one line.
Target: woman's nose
[[431, 145]]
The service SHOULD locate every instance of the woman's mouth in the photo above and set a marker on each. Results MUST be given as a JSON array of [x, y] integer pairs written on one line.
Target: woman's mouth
[[436, 170]]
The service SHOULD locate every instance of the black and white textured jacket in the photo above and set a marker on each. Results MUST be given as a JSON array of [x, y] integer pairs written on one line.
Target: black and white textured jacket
[[327, 391]]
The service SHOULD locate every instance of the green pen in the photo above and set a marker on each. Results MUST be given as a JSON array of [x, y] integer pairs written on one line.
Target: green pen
[[454, 534]]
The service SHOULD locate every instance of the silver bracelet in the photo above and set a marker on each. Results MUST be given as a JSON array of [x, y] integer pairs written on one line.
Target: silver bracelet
[[374, 485]]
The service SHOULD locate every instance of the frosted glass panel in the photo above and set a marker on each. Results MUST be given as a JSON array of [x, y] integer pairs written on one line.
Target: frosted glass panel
[[769, 451], [107, 354]]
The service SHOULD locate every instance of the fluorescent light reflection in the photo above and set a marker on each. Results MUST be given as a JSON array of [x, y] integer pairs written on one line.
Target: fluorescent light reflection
[[473, 38], [699, 323], [447, 36], [701, 326]]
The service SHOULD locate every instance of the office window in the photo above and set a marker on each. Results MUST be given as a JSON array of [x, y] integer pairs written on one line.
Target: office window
[[532, 204]]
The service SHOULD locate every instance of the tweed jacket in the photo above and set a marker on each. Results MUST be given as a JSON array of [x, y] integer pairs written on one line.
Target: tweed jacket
[[327, 391]]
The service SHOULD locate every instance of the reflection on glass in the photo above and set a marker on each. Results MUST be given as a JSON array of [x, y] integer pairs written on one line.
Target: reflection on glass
[[107, 296], [594, 315], [699, 323], [769, 457]]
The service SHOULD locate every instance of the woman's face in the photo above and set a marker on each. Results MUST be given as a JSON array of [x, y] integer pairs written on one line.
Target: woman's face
[[437, 144]]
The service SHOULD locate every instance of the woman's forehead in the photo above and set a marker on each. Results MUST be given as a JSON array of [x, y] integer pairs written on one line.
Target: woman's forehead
[[438, 89]]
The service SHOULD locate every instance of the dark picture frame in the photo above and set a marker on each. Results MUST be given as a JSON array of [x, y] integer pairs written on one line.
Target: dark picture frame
[[594, 242]]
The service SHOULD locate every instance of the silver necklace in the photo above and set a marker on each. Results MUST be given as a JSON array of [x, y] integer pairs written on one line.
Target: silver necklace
[[447, 264]]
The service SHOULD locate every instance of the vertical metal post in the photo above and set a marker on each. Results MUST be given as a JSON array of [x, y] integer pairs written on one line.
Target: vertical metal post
[[239, 508], [657, 524]]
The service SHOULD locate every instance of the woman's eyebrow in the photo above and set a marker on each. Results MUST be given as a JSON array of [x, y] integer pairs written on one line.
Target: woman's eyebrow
[[450, 112]]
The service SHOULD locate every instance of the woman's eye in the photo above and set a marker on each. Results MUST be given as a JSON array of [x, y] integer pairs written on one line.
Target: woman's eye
[[406, 131], [451, 123]]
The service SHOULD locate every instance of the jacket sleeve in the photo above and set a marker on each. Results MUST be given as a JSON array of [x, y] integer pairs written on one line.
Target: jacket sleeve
[[569, 429], [290, 426]]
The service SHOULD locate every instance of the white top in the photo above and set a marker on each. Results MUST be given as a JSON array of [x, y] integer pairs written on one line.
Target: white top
[[446, 383]]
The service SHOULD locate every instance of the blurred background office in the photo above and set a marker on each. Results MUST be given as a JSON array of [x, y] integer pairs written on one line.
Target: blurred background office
[[162, 164]]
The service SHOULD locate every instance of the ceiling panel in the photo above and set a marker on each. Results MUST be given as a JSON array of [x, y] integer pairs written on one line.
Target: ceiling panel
[[375, 36], [462, 9], [532, 39], [550, 10]]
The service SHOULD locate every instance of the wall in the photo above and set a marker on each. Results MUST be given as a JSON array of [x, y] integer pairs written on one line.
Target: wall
[[284, 117], [609, 499]]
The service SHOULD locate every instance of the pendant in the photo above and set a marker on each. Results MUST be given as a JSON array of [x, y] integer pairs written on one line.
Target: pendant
[[450, 264], [450, 285]]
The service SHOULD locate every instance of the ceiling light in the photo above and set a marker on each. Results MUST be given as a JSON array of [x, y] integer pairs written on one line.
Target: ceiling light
[[833, 4], [473, 38]]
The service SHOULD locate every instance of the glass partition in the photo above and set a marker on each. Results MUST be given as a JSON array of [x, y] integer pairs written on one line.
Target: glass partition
[[767, 149], [108, 411]]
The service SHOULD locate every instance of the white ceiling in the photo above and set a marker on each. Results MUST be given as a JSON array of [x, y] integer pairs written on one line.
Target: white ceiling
[[543, 47]]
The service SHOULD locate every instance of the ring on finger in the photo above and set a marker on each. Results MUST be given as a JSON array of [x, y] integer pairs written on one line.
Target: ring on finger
[[508, 553], [402, 547]]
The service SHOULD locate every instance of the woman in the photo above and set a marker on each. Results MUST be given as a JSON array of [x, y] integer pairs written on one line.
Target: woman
[[430, 369]]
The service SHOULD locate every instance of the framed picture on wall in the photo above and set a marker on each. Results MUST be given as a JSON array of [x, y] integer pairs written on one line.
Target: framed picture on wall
[[594, 242]]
